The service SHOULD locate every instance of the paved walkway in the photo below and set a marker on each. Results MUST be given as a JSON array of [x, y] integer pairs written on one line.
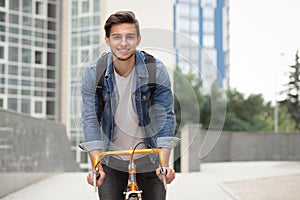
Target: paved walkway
[[216, 181]]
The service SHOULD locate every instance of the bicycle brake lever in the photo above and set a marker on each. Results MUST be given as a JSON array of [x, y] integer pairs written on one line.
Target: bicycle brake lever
[[95, 172], [163, 172]]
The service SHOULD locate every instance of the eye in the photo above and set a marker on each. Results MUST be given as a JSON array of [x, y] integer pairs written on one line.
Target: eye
[[116, 37], [130, 37]]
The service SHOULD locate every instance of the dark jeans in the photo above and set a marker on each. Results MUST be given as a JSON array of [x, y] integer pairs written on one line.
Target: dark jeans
[[116, 180]]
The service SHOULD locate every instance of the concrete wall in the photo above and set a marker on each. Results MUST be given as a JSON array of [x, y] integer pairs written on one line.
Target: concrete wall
[[31, 149], [213, 146]]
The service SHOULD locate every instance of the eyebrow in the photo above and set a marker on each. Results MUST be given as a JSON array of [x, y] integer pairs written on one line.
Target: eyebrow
[[123, 34]]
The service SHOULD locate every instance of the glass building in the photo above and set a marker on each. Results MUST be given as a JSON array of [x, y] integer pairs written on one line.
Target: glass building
[[84, 34], [29, 57], [203, 46]]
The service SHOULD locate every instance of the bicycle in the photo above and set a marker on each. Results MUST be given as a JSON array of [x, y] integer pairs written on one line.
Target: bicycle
[[132, 192]]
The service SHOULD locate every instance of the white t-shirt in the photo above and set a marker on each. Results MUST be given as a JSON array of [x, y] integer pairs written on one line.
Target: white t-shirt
[[127, 132]]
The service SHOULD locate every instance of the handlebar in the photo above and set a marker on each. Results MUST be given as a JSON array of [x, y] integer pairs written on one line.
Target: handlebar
[[130, 151]]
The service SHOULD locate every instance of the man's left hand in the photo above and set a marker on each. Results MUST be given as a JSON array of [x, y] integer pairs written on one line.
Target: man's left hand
[[170, 176]]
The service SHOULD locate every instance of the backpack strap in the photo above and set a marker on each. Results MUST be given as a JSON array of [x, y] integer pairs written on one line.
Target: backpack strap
[[100, 74], [150, 62]]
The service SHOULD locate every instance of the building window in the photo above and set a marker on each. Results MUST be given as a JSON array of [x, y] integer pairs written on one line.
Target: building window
[[208, 13], [26, 92], [26, 71], [208, 41], [38, 107], [25, 106], [13, 81], [26, 83], [26, 21], [2, 3], [51, 11], [84, 55], [208, 26], [14, 19], [85, 21], [26, 55], [27, 6], [1, 52], [96, 5], [14, 5], [50, 74], [2, 69], [38, 57], [50, 108], [13, 70], [51, 26], [74, 8], [13, 54], [50, 59], [12, 104], [2, 16], [39, 23], [39, 73], [12, 91], [1, 103], [38, 8], [85, 6]]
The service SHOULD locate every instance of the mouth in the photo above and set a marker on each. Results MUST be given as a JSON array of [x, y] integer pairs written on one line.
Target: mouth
[[124, 51]]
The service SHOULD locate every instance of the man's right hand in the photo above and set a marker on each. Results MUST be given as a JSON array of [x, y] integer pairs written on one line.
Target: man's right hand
[[90, 178]]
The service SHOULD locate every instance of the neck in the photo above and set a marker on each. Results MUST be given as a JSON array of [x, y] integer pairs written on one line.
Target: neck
[[124, 67]]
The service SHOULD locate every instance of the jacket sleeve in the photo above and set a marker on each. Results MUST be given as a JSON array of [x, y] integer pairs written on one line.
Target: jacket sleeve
[[163, 105], [90, 124]]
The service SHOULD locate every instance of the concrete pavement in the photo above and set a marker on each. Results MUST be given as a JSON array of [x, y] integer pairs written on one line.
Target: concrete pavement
[[216, 181]]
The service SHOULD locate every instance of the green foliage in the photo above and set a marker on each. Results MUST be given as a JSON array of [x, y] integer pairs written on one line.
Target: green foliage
[[247, 113], [241, 114], [292, 92], [188, 99]]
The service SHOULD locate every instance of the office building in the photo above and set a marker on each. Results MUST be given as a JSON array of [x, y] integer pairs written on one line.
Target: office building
[[202, 39], [29, 57]]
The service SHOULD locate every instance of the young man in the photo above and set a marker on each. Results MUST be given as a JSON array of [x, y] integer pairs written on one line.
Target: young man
[[127, 119]]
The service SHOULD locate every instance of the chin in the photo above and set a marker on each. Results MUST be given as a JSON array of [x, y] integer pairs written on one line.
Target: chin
[[125, 57]]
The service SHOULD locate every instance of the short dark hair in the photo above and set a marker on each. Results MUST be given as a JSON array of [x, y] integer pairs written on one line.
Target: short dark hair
[[121, 17]]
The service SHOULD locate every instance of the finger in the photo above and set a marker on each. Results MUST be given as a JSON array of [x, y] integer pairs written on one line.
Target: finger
[[158, 174], [170, 175], [101, 178]]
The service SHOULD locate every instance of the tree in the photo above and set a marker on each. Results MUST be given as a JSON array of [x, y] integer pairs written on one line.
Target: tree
[[247, 114], [188, 98], [292, 92]]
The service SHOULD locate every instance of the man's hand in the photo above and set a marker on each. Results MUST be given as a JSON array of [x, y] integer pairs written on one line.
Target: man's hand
[[170, 176], [90, 178]]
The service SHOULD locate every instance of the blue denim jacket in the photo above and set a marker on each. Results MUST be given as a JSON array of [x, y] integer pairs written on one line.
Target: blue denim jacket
[[157, 121]]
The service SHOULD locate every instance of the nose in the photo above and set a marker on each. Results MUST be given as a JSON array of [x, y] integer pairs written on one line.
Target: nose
[[124, 40]]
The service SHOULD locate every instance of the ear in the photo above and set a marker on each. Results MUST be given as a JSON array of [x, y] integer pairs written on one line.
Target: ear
[[138, 40], [107, 41]]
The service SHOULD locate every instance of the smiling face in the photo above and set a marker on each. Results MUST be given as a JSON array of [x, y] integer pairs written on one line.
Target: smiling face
[[123, 40]]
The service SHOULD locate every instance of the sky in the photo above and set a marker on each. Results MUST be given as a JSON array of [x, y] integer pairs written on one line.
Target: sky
[[264, 38]]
